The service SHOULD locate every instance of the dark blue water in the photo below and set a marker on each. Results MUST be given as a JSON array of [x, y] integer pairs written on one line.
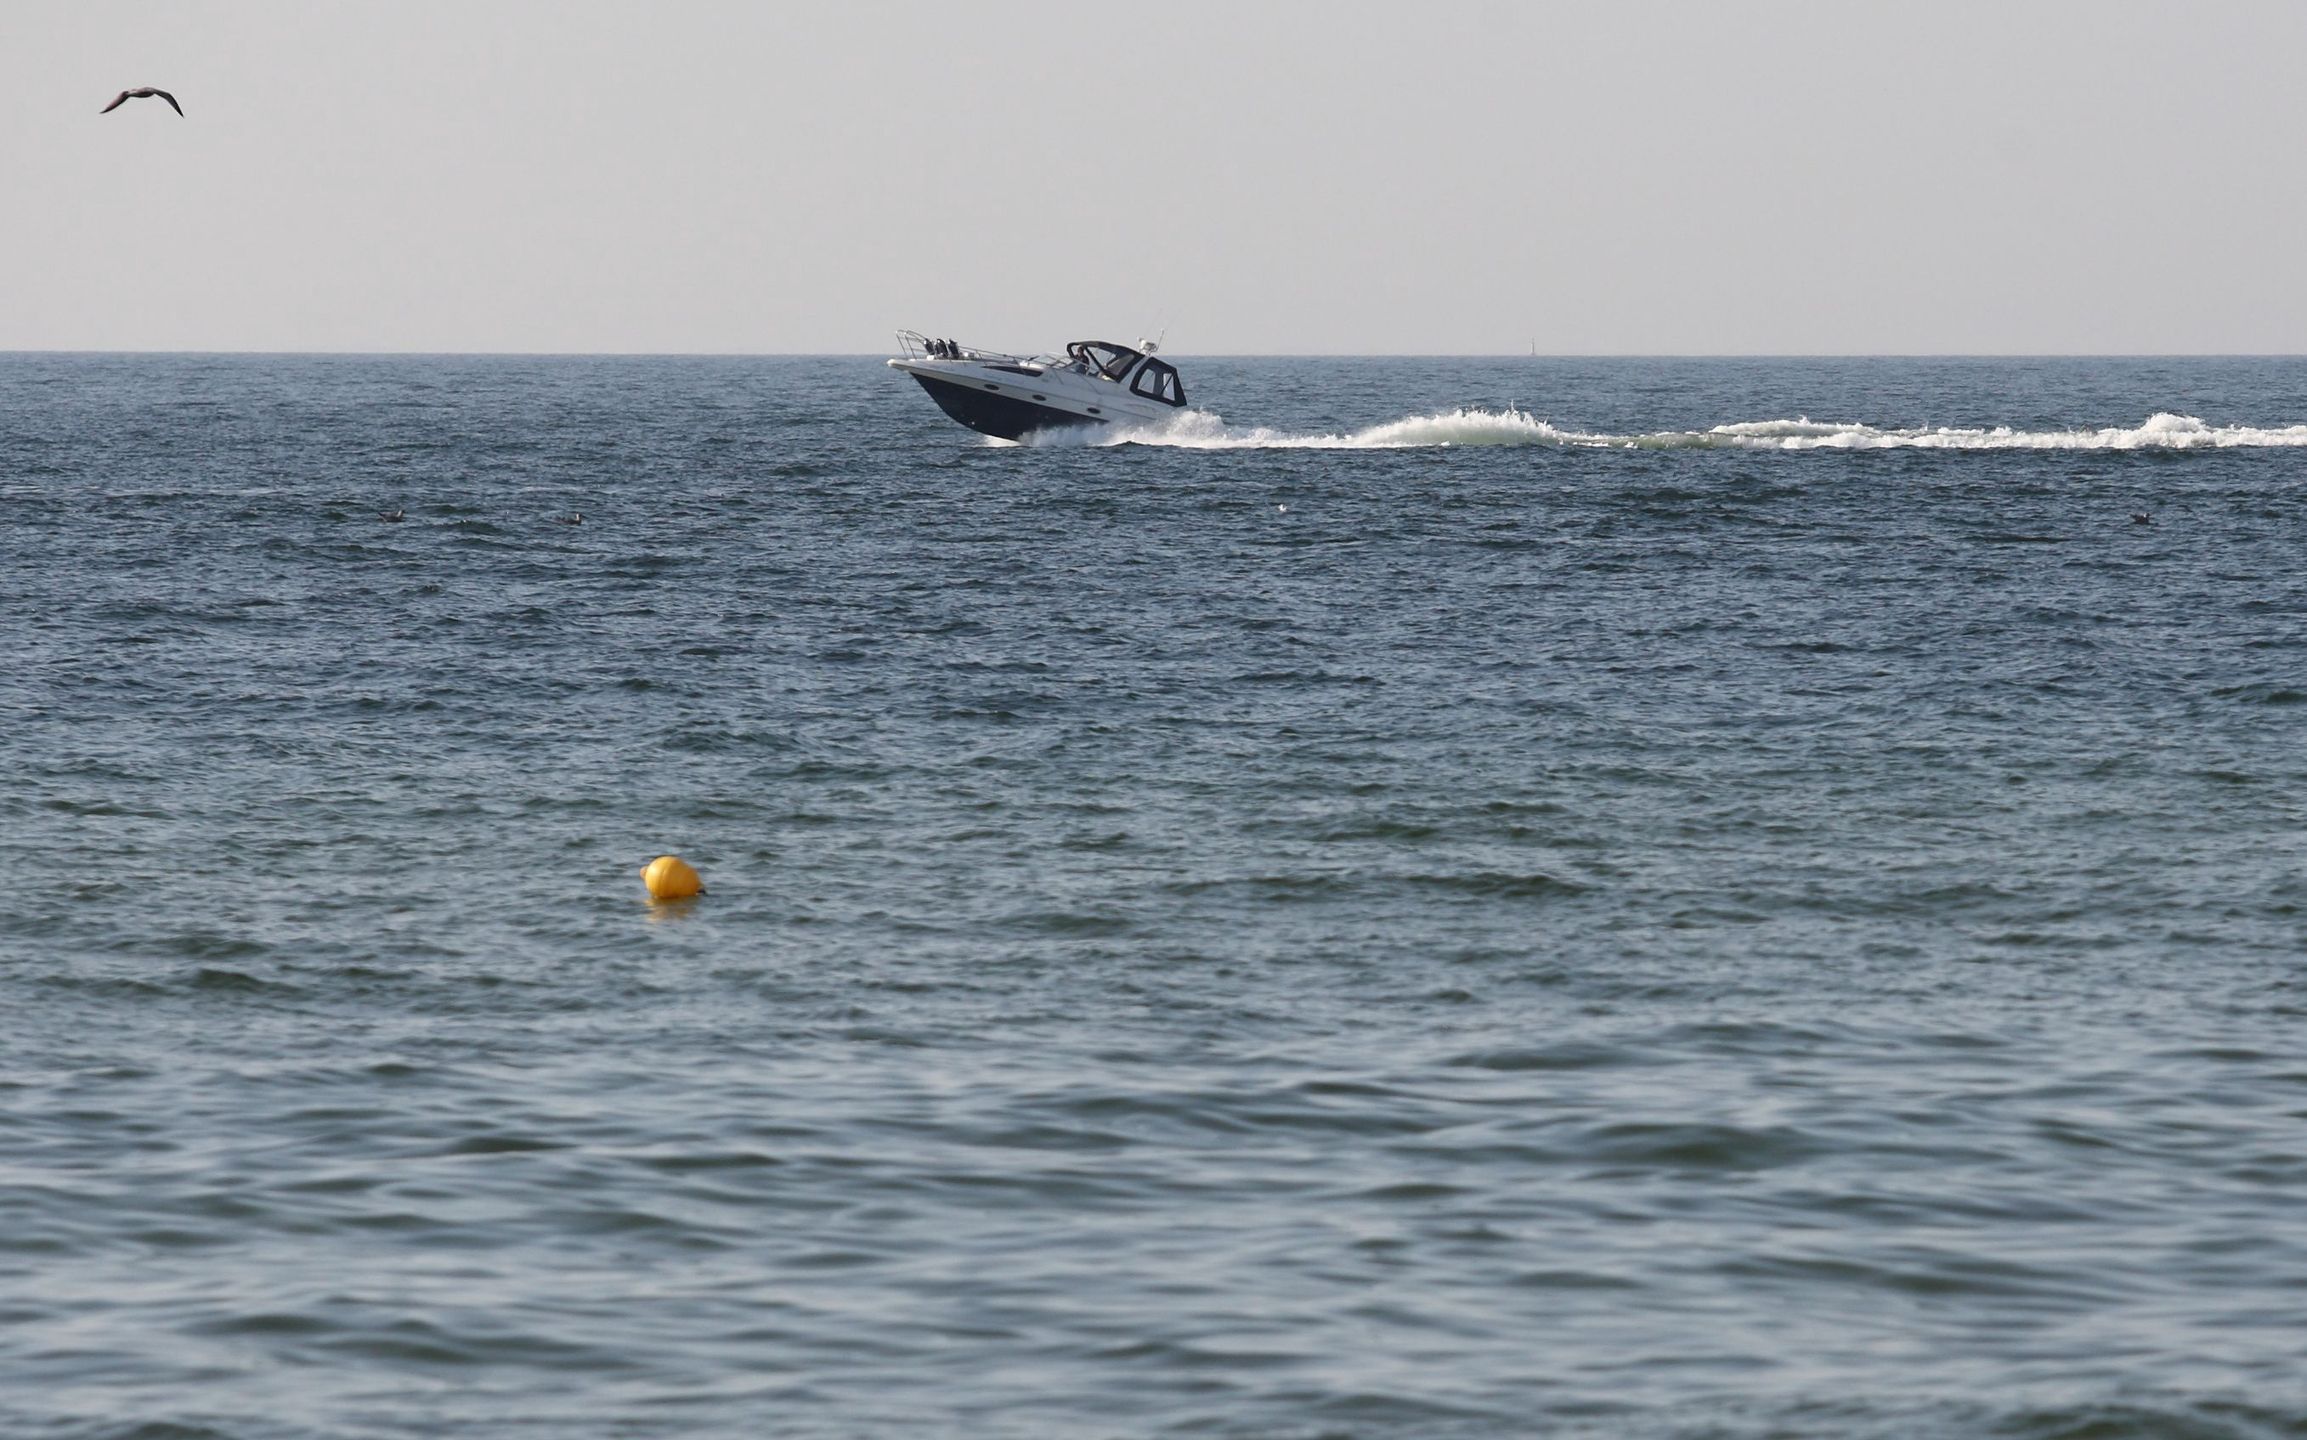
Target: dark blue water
[[1608, 926]]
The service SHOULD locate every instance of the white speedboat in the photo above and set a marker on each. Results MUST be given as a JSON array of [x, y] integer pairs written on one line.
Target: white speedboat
[[1096, 382]]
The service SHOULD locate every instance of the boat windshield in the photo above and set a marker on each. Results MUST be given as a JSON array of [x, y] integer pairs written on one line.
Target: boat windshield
[[1102, 357]]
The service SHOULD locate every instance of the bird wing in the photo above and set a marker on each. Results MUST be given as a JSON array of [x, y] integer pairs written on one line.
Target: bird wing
[[117, 101], [171, 99]]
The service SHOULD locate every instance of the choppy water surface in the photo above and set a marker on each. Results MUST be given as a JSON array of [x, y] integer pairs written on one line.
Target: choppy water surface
[[1730, 899]]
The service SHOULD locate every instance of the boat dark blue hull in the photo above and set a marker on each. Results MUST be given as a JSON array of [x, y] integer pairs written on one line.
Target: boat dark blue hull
[[990, 413]]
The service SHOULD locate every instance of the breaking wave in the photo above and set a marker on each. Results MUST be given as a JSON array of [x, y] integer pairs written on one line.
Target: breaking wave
[[1202, 430]]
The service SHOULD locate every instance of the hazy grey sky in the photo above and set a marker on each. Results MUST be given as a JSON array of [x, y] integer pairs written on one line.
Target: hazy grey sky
[[1351, 176]]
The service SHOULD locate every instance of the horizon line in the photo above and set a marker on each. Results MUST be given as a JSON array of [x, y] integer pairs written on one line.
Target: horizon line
[[418, 353]]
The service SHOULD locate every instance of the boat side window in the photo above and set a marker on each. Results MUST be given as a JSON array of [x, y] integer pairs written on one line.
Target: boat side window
[[1157, 380]]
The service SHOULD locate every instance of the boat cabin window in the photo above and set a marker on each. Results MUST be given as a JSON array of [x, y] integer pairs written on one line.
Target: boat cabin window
[[1102, 357], [1158, 380]]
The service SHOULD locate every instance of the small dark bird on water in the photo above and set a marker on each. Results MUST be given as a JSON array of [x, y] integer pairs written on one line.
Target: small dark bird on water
[[2139, 519], [392, 517], [574, 517], [141, 92]]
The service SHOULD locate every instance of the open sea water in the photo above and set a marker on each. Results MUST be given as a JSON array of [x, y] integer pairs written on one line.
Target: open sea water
[[1466, 898]]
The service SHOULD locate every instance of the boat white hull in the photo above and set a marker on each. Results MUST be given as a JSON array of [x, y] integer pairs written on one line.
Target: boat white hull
[[1012, 401]]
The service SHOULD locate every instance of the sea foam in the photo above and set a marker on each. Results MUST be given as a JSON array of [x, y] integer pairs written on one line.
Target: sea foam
[[1205, 430]]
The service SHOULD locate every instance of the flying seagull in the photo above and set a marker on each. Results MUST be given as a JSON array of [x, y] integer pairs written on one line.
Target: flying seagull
[[141, 92]]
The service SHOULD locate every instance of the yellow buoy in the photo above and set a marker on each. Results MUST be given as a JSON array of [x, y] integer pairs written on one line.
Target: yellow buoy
[[670, 878]]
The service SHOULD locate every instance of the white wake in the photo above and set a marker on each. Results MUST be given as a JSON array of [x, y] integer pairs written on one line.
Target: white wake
[[1202, 430]]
